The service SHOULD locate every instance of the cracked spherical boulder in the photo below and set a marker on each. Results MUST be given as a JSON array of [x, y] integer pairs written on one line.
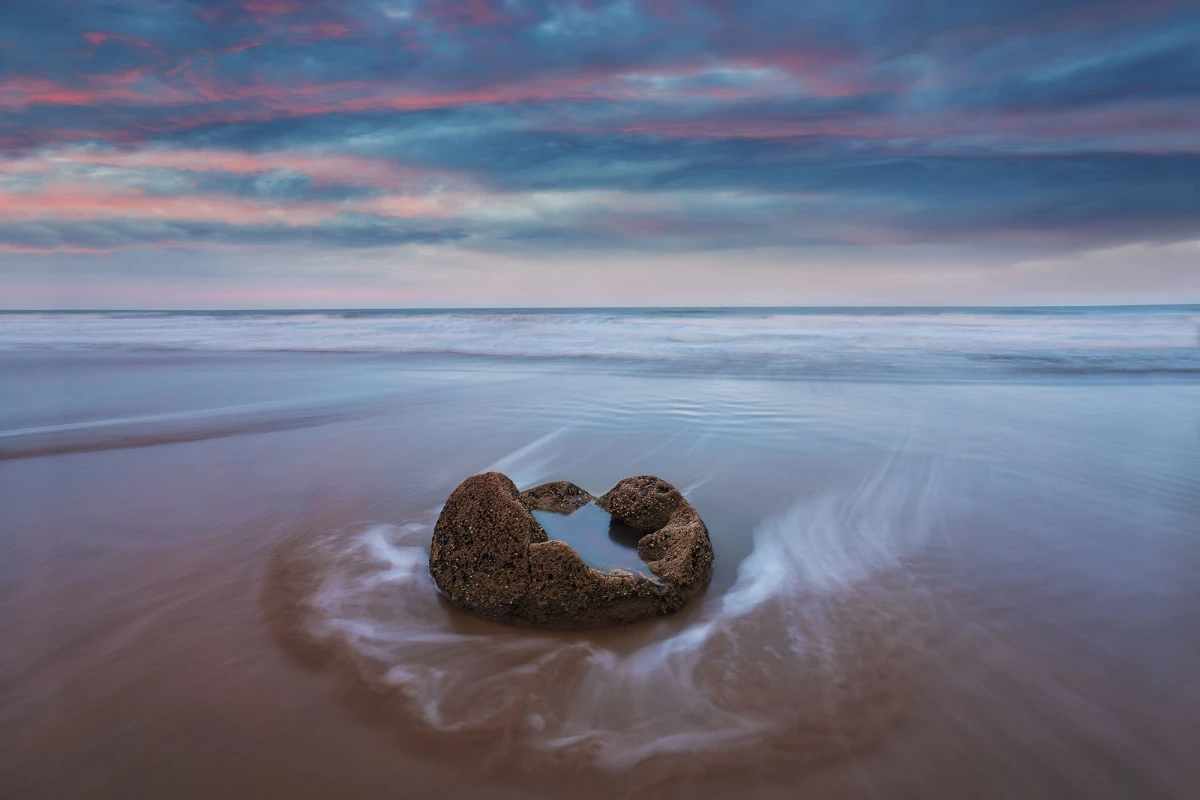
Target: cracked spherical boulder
[[492, 558]]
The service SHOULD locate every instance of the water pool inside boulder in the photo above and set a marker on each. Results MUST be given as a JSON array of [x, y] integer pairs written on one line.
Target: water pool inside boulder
[[601, 541]]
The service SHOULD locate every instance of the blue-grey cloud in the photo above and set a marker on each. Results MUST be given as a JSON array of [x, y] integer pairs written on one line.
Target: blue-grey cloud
[[666, 125]]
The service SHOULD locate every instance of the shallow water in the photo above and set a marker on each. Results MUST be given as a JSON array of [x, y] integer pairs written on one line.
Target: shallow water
[[961, 580], [601, 541]]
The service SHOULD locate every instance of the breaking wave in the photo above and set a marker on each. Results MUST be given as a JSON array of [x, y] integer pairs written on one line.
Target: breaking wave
[[818, 343]]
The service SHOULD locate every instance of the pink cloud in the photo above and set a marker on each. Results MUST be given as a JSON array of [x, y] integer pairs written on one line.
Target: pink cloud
[[63, 193], [259, 100], [20, 91], [84, 201], [89, 202], [323, 169], [318, 31], [97, 38], [20, 249]]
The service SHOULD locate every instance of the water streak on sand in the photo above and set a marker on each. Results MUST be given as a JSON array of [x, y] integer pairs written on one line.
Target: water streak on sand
[[526, 464], [155, 429]]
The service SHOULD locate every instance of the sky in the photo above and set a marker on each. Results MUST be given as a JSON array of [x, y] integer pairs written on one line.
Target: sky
[[387, 153]]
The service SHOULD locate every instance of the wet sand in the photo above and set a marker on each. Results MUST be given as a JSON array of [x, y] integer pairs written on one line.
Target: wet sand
[[211, 583]]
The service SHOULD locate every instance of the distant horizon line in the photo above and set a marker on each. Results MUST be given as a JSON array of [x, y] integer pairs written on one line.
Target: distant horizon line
[[384, 309]]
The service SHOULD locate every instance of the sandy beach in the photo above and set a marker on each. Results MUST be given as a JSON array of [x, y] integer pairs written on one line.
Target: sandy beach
[[955, 555]]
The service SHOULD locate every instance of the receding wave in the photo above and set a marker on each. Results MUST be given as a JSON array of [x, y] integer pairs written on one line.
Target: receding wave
[[946, 343], [806, 658]]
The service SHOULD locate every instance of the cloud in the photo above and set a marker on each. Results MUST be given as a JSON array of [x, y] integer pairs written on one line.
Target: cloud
[[569, 128]]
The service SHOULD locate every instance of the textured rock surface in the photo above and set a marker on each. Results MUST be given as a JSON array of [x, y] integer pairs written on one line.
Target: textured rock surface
[[562, 497], [644, 502], [490, 556], [480, 552]]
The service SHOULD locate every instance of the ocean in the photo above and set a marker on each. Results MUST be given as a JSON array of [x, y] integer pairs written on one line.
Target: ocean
[[955, 551]]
